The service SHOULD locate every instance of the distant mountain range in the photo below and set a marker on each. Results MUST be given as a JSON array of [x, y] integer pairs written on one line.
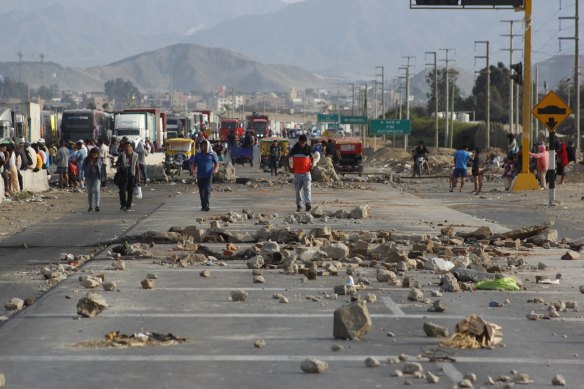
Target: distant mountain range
[[85, 43], [331, 37], [189, 67]]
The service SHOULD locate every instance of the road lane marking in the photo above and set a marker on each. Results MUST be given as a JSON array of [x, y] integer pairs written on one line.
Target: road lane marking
[[393, 307], [203, 315], [451, 372]]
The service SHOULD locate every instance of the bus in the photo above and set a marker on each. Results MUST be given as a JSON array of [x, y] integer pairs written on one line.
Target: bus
[[86, 124]]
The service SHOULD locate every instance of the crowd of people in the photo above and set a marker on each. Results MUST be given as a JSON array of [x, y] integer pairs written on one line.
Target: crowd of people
[[17, 156], [539, 164]]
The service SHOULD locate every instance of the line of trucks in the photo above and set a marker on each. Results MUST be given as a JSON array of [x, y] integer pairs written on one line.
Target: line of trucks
[[27, 121], [258, 125]]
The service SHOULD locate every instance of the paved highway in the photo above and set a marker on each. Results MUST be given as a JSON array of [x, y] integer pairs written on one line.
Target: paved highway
[[37, 345]]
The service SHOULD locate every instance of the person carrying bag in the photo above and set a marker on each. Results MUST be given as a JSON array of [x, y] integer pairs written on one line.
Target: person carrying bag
[[127, 176]]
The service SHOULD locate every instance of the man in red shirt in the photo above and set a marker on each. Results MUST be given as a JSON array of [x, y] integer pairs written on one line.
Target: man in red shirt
[[301, 160]]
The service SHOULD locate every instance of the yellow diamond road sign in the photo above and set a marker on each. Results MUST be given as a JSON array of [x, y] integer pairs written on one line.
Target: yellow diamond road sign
[[551, 111]]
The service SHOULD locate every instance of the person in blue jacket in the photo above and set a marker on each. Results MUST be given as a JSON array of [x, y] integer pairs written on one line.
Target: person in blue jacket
[[204, 163]]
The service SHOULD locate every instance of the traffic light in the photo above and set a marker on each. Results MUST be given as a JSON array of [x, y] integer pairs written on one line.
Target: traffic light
[[518, 75], [437, 2]]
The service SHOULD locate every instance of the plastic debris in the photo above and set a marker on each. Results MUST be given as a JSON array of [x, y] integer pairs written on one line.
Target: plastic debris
[[504, 283]]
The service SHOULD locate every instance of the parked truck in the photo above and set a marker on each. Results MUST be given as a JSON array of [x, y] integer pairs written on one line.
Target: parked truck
[[85, 124], [173, 128], [159, 122], [6, 127], [259, 125], [134, 125], [230, 124]]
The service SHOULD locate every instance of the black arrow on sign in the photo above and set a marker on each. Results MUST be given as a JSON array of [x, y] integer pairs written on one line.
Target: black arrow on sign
[[551, 123]]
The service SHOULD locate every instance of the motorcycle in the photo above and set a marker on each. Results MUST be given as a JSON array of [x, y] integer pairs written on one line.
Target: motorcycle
[[419, 161]]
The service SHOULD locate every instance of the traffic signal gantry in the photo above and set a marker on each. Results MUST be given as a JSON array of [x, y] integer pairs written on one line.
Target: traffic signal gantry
[[525, 180]]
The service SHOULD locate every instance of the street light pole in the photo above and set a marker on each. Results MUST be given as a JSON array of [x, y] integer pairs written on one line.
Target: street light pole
[[488, 97], [436, 121]]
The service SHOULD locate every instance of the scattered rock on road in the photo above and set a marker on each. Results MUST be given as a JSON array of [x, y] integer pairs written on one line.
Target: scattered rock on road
[[14, 304], [352, 321], [91, 305], [109, 286], [148, 284], [435, 331], [313, 365], [558, 380], [238, 295], [259, 343], [372, 362], [570, 256]]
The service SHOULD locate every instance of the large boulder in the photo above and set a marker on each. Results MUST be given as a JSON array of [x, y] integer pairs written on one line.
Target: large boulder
[[226, 173], [324, 171], [91, 305], [336, 251], [352, 321]]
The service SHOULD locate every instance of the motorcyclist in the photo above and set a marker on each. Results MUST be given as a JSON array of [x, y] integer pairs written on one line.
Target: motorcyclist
[[421, 151]]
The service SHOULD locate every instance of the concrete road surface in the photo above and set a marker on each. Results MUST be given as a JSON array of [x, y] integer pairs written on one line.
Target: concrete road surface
[[39, 347]]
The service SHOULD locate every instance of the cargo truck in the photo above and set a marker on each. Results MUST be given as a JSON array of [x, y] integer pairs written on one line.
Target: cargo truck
[[159, 122], [6, 128], [259, 125], [135, 126], [85, 124], [230, 124]]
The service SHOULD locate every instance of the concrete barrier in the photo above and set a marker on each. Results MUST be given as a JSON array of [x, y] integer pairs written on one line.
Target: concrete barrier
[[35, 182]]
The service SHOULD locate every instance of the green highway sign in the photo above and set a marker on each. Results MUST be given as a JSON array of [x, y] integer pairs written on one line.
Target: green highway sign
[[391, 127], [353, 119], [327, 117]]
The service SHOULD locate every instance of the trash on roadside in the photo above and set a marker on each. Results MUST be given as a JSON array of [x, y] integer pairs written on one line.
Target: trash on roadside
[[504, 283], [470, 275], [140, 339], [441, 264], [474, 332]]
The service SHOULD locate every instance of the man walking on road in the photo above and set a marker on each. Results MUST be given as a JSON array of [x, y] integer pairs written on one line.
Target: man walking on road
[[127, 165], [461, 158], [205, 164], [302, 161], [62, 160]]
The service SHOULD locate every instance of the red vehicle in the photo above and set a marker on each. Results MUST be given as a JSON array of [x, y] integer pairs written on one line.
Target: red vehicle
[[259, 124], [350, 155], [228, 125]]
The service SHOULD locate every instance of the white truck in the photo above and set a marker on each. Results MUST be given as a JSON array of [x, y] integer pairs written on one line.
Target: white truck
[[134, 125]]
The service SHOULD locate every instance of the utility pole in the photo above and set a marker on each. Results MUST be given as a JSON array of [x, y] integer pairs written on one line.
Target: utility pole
[[436, 121], [488, 97], [525, 180], [407, 69], [452, 116], [536, 99], [352, 84], [375, 99], [576, 39], [512, 128], [42, 57], [20, 56], [447, 61], [381, 68]]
